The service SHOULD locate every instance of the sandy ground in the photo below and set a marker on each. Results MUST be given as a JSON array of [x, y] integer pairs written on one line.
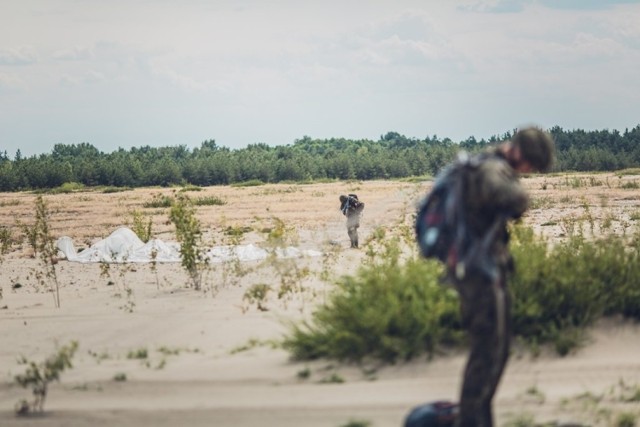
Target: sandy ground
[[209, 360]]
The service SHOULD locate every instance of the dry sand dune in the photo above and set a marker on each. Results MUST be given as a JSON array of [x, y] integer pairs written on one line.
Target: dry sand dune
[[208, 360]]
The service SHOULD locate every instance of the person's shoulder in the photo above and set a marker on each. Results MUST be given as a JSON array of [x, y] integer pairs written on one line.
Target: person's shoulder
[[495, 165]]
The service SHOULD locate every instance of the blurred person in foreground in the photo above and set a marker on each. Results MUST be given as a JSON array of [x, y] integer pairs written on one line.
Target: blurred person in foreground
[[486, 197]]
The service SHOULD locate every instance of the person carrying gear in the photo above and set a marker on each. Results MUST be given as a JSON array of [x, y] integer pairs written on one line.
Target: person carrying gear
[[490, 195], [352, 208]]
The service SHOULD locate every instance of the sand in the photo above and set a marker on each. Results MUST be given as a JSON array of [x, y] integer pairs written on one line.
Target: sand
[[209, 359]]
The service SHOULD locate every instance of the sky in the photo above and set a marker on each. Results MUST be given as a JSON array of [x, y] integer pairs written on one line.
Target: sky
[[130, 73]]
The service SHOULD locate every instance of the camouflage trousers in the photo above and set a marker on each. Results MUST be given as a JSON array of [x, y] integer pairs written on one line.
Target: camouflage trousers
[[352, 230], [486, 314]]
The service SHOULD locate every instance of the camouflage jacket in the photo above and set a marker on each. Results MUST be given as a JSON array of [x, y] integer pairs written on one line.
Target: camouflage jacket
[[493, 192]]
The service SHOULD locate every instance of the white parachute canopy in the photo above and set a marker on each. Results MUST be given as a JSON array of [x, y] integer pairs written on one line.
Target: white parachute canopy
[[123, 246]]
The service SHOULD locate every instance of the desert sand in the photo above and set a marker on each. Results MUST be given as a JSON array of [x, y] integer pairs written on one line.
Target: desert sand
[[209, 362]]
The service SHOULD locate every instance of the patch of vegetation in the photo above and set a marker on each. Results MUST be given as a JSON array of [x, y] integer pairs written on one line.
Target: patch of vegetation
[[334, 378], [11, 202], [159, 201], [249, 183], [43, 243], [391, 310], [141, 225], [38, 376], [630, 185], [6, 240], [257, 294], [237, 231], [120, 377], [304, 374], [626, 419], [190, 188], [209, 201], [387, 310], [189, 233], [111, 189], [628, 171], [356, 423], [140, 353], [67, 187], [253, 343]]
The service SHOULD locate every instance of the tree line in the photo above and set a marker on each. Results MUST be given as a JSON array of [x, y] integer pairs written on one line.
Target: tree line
[[307, 159]]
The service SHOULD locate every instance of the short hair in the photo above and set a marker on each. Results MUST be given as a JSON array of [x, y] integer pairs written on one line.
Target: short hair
[[536, 146]]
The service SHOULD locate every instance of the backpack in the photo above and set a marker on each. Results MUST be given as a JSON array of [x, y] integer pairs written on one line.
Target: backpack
[[349, 202], [441, 226]]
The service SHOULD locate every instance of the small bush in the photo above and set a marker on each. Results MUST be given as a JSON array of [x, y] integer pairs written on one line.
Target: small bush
[[141, 225], [626, 419], [39, 375], [140, 353], [120, 377], [67, 187], [387, 311], [209, 201], [159, 201], [189, 233]]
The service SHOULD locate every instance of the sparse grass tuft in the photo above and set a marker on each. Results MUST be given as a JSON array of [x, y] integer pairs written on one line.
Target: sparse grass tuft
[[249, 183], [209, 201], [159, 201]]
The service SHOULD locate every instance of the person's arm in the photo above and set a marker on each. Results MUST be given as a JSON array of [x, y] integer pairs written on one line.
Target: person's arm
[[500, 188]]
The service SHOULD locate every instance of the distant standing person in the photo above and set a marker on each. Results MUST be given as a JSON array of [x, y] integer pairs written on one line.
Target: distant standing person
[[352, 208]]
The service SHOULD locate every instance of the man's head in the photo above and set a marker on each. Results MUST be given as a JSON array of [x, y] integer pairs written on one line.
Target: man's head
[[534, 147]]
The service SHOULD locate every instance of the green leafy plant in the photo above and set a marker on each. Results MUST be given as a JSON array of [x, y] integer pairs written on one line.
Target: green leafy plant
[[38, 376], [6, 241], [626, 419], [189, 234], [140, 353], [45, 248], [141, 225], [257, 294], [120, 377]]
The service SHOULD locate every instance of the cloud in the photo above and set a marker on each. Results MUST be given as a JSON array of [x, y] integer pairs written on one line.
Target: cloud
[[584, 4], [9, 83], [408, 39], [516, 6], [73, 54], [496, 6], [19, 56]]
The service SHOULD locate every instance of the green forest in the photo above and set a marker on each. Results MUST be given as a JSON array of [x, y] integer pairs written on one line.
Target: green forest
[[393, 156]]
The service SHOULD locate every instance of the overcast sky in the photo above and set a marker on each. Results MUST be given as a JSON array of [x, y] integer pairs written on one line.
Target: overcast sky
[[125, 73]]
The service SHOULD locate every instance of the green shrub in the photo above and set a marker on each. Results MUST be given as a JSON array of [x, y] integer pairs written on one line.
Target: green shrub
[[209, 201], [386, 311], [159, 201], [39, 375], [393, 311], [142, 225], [570, 285], [189, 234], [67, 187]]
